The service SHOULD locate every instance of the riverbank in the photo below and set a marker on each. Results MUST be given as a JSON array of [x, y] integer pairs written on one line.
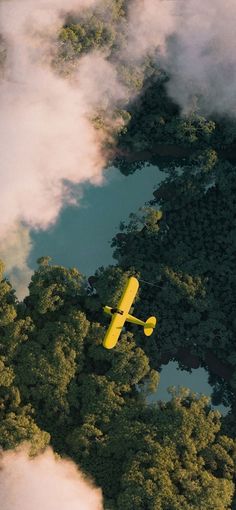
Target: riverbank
[[167, 153]]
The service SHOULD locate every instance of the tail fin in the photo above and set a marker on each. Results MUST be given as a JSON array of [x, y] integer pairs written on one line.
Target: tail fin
[[149, 325]]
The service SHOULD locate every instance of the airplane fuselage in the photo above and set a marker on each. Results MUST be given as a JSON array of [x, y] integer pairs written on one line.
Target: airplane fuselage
[[120, 315]]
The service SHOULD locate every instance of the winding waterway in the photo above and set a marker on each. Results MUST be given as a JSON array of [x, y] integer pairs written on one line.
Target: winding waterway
[[81, 238]]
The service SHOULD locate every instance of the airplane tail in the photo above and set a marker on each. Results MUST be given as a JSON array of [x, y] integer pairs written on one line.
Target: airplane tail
[[149, 325]]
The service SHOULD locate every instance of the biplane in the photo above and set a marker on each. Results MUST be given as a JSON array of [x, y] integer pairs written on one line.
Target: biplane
[[120, 315]]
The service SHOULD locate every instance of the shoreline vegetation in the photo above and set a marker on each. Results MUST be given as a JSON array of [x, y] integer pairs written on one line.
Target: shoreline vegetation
[[162, 154], [58, 385]]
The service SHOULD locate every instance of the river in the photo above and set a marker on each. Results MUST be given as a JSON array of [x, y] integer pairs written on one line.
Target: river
[[82, 235]]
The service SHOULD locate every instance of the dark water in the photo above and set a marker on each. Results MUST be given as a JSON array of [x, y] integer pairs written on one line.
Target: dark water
[[197, 381], [82, 236]]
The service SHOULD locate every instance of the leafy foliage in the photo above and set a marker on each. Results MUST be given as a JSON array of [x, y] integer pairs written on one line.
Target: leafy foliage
[[96, 28], [189, 256], [57, 382], [57, 379], [17, 422]]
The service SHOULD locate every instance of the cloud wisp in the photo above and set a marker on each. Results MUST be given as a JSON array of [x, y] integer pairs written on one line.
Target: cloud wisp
[[46, 136], [196, 44], [47, 139], [44, 483]]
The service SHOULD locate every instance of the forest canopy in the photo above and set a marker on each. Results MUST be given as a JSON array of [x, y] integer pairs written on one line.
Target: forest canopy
[[150, 119], [58, 385]]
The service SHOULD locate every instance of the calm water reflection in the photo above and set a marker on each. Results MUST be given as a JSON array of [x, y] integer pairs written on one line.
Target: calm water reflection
[[81, 238]]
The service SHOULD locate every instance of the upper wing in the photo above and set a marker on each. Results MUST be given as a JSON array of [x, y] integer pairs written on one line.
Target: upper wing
[[128, 295], [118, 320]]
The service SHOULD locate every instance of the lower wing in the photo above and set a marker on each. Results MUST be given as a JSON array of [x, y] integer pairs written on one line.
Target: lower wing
[[114, 331], [118, 320]]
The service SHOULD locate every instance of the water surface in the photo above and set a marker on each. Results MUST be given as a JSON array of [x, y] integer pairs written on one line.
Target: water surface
[[82, 236]]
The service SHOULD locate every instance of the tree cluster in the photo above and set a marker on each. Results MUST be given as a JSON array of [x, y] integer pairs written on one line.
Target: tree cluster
[[59, 384]]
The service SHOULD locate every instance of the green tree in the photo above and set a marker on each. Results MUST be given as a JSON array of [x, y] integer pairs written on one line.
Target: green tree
[[58, 378], [17, 422], [62, 369], [168, 455], [99, 27], [165, 454], [189, 259]]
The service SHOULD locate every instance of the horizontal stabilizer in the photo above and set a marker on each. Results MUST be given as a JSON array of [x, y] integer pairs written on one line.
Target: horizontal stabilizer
[[149, 326]]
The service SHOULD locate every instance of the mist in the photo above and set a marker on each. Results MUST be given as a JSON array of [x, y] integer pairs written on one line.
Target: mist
[[15, 247], [201, 57], [194, 41], [47, 139], [44, 483], [149, 24]]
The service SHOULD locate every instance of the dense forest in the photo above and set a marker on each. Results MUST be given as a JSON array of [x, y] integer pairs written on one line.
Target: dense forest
[[58, 385]]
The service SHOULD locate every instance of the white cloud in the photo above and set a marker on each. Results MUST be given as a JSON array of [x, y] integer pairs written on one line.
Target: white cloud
[[44, 483]]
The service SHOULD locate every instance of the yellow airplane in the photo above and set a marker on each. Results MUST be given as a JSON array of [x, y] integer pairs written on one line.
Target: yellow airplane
[[120, 315]]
